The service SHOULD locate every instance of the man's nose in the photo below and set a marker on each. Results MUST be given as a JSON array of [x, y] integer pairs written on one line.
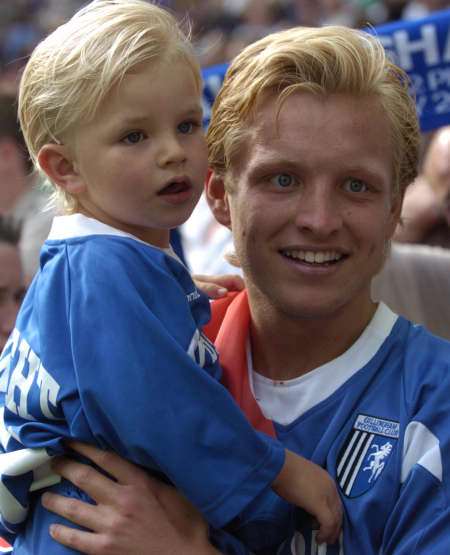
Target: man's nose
[[170, 151], [318, 211]]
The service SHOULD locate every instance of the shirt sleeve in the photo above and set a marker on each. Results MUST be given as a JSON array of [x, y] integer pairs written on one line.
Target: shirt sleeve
[[144, 397], [420, 521]]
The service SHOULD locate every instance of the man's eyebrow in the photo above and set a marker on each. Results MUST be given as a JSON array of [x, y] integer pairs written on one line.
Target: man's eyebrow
[[272, 162]]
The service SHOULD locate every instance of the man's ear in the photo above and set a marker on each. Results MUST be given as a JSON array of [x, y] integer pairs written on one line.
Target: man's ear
[[396, 212], [57, 163], [217, 198]]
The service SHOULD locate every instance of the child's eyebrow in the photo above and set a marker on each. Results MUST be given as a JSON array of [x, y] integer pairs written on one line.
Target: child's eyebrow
[[135, 119]]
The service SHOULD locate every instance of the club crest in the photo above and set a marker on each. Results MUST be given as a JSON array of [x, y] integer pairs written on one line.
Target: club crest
[[366, 453]]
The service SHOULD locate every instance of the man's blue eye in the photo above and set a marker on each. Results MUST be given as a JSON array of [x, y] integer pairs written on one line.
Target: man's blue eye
[[133, 137], [186, 127], [282, 180], [355, 185]]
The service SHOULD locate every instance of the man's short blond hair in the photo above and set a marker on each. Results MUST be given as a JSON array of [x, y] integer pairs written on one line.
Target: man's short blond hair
[[322, 61], [70, 72]]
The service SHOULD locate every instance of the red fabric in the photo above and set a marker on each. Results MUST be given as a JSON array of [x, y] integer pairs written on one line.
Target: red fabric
[[229, 328], [4, 546]]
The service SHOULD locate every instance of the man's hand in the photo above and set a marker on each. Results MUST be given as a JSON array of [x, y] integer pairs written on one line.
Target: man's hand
[[134, 514]]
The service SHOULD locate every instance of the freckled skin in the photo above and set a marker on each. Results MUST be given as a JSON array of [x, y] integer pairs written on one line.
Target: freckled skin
[[318, 210]]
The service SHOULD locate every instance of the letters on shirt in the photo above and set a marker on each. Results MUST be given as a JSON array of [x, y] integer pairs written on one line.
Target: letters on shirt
[[20, 370]]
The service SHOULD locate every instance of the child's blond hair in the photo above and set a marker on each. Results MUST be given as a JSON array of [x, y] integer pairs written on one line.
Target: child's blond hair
[[70, 73]]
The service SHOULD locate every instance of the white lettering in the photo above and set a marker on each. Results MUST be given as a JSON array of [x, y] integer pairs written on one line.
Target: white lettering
[[438, 77], [441, 101], [26, 371], [48, 391], [421, 102], [427, 44], [192, 296], [21, 382], [5, 361]]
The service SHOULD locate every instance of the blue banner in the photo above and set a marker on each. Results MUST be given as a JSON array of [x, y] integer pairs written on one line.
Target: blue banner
[[421, 48]]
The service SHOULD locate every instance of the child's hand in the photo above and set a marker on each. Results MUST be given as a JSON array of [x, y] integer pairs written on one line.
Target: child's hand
[[218, 286], [308, 486]]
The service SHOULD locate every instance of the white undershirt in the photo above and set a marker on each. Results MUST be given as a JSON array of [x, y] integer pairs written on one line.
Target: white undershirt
[[284, 401]]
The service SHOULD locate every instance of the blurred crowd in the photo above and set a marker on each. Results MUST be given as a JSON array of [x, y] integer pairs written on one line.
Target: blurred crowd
[[220, 28]]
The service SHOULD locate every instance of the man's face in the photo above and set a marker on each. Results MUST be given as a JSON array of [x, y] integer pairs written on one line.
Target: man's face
[[310, 204]]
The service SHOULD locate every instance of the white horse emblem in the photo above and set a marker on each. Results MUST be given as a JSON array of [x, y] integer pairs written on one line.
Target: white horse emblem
[[377, 463]]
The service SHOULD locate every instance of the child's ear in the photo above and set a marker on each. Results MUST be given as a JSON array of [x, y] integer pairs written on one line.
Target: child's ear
[[217, 198], [57, 163]]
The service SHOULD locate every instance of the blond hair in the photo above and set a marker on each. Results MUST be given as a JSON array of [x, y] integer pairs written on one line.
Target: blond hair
[[321, 61], [70, 72]]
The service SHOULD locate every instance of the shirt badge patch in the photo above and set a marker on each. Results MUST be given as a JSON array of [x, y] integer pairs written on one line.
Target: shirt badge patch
[[366, 453]]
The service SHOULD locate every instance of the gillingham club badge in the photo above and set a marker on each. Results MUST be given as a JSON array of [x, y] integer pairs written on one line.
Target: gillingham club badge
[[366, 453]]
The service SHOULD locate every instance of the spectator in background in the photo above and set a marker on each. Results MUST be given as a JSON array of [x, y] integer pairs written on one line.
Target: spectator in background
[[421, 8], [414, 282], [426, 209], [22, 196], [11, 277]]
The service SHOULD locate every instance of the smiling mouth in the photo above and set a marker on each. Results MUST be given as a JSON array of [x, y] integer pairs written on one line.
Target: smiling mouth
[[314, 258]]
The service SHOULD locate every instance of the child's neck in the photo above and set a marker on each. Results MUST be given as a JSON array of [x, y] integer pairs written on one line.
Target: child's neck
[[157, 237]]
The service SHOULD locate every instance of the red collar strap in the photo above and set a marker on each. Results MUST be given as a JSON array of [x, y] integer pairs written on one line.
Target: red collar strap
[[229, 328]]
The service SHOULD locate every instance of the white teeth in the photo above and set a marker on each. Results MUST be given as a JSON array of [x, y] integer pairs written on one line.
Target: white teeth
[[313, 257]]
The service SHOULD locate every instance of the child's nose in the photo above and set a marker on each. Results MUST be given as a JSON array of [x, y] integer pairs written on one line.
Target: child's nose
[[171, 151]]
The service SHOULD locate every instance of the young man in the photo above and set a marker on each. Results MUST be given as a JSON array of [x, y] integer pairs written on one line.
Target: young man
[[313, 140]]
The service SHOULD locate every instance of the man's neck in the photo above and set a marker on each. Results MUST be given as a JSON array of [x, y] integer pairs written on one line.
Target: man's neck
[[284, 347]]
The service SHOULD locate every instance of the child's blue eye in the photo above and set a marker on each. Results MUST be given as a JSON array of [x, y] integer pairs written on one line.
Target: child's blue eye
[[186, 127], [282, 180], [353, 185], [133, 138]]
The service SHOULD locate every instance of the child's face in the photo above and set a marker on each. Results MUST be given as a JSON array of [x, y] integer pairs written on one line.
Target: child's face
[[142, 161]]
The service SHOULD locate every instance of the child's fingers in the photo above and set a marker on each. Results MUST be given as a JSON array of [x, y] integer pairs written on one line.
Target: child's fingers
[[212, 290], [218, 285], [330, 523]]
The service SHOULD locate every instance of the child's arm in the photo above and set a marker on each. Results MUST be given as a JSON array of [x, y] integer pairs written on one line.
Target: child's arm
[[308, 486]]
